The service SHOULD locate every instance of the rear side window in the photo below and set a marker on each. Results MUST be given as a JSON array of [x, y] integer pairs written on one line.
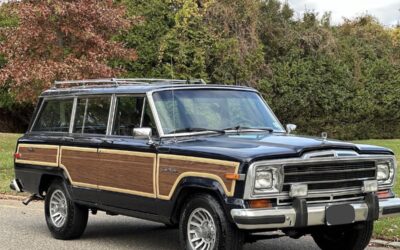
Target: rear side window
[[92, 115], [55, 116]]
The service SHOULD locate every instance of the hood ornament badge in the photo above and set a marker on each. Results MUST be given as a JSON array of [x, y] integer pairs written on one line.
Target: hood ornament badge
[[324, 136]]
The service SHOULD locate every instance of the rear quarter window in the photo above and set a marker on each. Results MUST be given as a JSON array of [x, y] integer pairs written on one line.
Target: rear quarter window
[[55, 116]]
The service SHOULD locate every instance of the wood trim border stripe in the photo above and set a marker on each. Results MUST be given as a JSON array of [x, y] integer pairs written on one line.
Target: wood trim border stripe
[[199, 159], [156, 166], [125, 152], [40, 163], [79, 149], [233, 164], [107, 188]]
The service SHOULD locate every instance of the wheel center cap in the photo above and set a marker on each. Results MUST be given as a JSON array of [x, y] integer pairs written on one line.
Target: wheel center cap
[[205, 232]]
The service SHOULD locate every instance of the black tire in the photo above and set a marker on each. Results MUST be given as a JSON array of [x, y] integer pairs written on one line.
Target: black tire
[[228, 236], [76, 216], [347, 237]]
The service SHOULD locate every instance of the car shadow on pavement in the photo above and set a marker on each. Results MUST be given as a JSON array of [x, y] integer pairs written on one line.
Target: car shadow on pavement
[[131, 233], [128, 233]]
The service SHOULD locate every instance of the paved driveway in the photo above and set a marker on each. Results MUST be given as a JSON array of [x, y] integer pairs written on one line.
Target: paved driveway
[[24, 227]]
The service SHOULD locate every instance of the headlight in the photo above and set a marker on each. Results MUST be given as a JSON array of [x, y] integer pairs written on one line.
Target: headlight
[[268, 179], [385, 173], [263, 180]]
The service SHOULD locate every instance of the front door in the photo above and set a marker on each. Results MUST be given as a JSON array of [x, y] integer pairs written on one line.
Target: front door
[[127, 164]]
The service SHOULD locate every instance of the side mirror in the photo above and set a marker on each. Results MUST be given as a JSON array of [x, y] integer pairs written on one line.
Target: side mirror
[[143, 133], [290, 128]]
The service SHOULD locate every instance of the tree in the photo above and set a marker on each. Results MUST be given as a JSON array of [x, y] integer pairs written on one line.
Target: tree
[[156, 20], [61, 39], [236, 54]]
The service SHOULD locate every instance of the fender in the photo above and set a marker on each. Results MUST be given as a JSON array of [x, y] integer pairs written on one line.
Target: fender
[[32, 176], [192, 184]]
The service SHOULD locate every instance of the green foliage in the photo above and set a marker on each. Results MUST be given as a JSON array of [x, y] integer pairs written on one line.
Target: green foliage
[[341, 79], [156, 20], [7, 17], [7, 148]]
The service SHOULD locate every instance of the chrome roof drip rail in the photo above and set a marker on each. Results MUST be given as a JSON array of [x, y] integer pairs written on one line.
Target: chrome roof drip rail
[[115, 82]]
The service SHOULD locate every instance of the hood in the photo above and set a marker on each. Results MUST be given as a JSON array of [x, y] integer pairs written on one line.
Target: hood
[[258, 146]]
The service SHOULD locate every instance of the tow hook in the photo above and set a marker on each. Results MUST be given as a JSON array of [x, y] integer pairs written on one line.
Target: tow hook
[[33, 197]]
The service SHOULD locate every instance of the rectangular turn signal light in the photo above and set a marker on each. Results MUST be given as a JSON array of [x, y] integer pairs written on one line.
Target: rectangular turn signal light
[[260, 203], [232, 176], [384, 194]]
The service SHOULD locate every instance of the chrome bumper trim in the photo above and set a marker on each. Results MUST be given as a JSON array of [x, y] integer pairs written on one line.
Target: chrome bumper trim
[[316, 214], [14, 185]]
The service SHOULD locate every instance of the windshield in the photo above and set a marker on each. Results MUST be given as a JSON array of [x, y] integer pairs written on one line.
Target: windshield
[[192, 110]]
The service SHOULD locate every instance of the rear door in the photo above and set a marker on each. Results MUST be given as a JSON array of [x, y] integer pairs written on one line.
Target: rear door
[[79, 151]]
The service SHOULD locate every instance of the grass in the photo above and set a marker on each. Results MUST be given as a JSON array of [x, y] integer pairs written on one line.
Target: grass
[[387, 229], [7, 148]]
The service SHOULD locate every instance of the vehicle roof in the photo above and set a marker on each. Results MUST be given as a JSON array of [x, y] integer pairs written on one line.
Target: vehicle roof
[[133, 89]]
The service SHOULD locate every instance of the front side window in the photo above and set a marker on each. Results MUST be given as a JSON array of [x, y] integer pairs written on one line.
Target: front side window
[[214, 109], [55, 116], [92, 115], [132, 112], [128, 115]]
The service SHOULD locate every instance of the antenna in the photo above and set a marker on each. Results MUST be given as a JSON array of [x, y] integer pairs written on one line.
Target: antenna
[[172, 68]]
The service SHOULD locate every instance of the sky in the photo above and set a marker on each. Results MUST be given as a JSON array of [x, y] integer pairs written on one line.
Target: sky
[[386, 11]]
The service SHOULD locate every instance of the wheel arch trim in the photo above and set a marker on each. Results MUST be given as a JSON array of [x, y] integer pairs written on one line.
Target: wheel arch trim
[[182, 177]]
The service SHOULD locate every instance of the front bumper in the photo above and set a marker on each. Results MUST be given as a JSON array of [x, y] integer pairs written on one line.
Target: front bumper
[[309, 215]]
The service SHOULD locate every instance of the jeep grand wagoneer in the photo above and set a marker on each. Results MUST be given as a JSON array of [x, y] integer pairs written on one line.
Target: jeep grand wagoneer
[[212, 159]]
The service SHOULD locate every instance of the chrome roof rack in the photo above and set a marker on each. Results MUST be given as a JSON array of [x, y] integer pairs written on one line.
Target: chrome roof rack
[[115, 82]]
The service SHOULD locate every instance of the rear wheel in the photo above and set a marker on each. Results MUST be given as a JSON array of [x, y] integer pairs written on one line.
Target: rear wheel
[[65, 219], [204, 225], [347, 237]]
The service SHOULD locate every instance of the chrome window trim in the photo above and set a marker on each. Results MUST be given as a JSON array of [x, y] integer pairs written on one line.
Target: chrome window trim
[[155, 113], [157, 118], [143, 110], [111, 116], [84, 116], [71, 125], [249, 184]]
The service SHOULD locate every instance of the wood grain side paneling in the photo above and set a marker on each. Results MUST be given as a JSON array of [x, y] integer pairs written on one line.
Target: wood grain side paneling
[[127, 172], [38, 154], [81, 165], [173, 168]]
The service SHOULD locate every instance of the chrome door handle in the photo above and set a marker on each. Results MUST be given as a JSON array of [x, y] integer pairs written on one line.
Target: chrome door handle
[[69, 139]]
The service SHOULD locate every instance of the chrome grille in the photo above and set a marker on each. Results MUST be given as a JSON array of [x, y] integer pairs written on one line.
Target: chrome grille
[[329, 175], [324, 199]]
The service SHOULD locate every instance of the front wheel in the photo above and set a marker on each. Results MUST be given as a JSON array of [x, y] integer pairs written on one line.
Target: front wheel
[[347, 237], [204, 225], [65, 219]]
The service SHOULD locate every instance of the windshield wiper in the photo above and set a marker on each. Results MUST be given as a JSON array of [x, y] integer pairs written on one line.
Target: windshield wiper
[[240, 128], [188, 130]]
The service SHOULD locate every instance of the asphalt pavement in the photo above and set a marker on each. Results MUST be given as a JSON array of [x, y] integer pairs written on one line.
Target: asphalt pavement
[[24, 227]]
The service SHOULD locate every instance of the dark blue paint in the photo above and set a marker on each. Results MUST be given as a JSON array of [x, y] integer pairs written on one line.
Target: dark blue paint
[[249, 147]]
